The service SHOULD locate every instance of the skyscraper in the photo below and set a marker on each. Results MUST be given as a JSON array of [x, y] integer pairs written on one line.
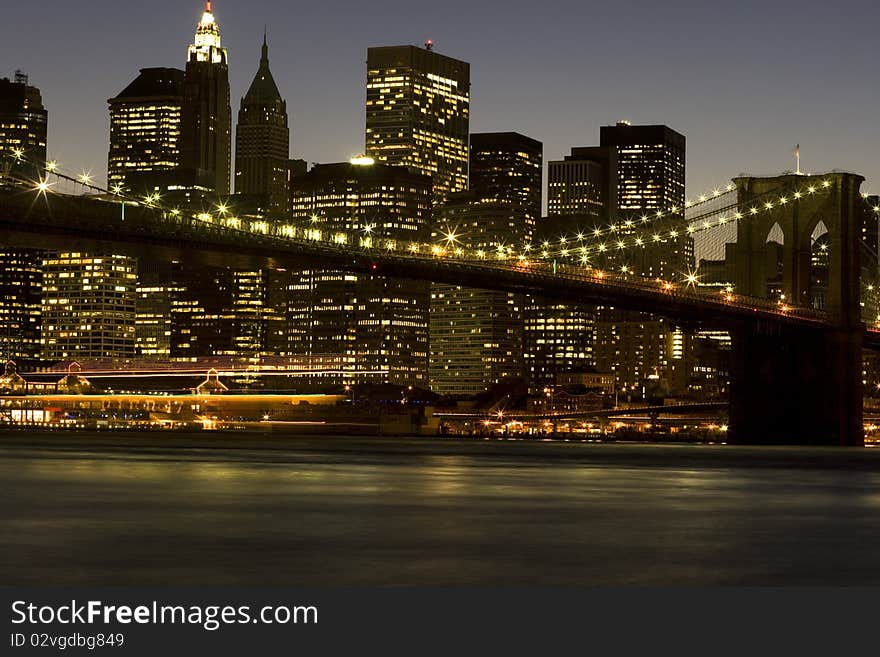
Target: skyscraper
[[378, 324], [476, 335], [262, 144], [23, 123], [418, 112], [583, 186], [650, 178], [145, 129], [506, 167], [206, 134]]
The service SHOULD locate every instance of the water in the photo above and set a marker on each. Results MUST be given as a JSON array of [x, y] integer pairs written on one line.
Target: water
[[156, 509]]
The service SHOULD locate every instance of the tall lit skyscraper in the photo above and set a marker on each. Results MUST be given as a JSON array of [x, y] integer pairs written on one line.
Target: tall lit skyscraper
[[23, 126], [206, 134], [262, 144], [418, 112], [506, 167], [23, 123], [650, 178], [378, 324], [145, 129], [88, 306], [476, 335]]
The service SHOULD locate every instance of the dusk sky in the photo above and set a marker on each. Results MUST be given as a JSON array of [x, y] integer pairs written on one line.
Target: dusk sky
[[743, 81]]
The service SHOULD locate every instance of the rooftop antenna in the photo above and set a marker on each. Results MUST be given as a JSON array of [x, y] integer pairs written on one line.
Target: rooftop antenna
[[21, 77], [429, 45]]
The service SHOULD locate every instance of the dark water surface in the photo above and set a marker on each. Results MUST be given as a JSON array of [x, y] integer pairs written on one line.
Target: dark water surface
[[157, 509]]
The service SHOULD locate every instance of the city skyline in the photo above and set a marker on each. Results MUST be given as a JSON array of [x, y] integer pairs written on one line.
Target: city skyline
[[737, 115]]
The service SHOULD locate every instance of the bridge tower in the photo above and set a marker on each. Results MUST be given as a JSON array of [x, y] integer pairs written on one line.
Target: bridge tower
[[799, 385]]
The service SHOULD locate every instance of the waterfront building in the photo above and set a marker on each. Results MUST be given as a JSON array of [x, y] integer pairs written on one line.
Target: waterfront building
[[380, 324], [476, 335], [88, 306]]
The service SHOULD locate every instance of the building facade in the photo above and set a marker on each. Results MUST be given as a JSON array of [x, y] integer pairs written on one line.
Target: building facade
[[206, 129], [507, 167], [23, 125], [650, 162], [584, 184], [88, 307], [262, 143], [145, 123], [476, 335], [418, 114], [379, 324]]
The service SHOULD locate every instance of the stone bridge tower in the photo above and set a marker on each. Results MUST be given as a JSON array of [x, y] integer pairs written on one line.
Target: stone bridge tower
[[803, 385]]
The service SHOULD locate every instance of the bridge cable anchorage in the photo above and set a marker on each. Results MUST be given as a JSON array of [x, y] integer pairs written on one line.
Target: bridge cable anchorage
[[503, 256]]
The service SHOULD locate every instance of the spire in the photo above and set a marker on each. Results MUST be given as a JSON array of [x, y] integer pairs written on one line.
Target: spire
[[207, 46], [263, 89]]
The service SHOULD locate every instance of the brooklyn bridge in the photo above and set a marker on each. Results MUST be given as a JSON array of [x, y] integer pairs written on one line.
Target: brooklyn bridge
[[796, 374]]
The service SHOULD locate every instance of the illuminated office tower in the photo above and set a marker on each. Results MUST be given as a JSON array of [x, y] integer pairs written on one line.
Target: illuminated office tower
[[583, 185], [262, 143], [145, 129], [88, 306], [650, 179], [476, 335], [156, 293], [557, 338], [206, 130], [23, 123], [507, 167], [21, 280], [378, 325], [201, 315], [639, 348], [418, 109], [220, 311]]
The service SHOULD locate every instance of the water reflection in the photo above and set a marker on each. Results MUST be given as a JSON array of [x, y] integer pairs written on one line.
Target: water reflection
[[342, 514]]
